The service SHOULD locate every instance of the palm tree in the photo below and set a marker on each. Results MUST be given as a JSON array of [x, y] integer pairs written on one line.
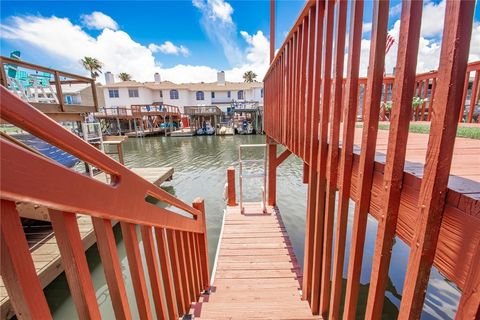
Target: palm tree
[[93, 65], [124, 76], [249, 76]]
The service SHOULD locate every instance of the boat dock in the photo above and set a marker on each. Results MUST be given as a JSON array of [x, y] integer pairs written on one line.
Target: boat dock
[[45, 253], [256, 274]]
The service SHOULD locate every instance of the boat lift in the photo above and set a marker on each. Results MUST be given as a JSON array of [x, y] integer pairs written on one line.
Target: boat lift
[[256, 175]]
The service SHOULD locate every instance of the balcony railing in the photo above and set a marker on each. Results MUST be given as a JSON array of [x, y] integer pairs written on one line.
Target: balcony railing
[[49, 90]]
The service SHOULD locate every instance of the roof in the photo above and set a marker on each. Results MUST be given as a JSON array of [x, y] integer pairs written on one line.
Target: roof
[[206, 86]]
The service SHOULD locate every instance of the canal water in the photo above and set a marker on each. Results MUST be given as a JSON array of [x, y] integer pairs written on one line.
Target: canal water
[[200, 171]]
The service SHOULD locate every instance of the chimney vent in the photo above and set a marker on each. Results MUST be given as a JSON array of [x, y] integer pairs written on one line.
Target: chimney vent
[[157, 77], [109, 78], [221, 78]]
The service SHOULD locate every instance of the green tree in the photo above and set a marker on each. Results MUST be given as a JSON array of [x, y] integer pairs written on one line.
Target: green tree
[[249, 76], [124, 76], [92, 65]]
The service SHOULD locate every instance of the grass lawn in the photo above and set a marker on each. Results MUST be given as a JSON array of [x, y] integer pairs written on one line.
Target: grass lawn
[[464, 132]]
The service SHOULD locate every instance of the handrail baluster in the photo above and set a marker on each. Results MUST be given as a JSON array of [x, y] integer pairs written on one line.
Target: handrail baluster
[[69, 241]]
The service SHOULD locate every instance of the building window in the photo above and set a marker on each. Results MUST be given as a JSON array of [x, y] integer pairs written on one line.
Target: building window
[[261, 93], [113, 93], [200, 95], [161, 94], [174, 94], [133, 92], [240, 95], [213, 95], [229, 94]]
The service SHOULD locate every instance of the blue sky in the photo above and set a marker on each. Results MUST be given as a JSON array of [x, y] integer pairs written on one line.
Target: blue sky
[[183, 40]]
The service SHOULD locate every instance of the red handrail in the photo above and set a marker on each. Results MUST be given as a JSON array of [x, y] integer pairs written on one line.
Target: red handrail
[[30, 177], [305, 100]]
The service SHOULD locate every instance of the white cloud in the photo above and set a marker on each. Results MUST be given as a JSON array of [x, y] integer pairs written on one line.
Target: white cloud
[[395, 10], [367, 27], [217, 22], [169, 48], [216, 9], [98, 20], [475, 43], [119, 52], [433, 16], [430, 41]]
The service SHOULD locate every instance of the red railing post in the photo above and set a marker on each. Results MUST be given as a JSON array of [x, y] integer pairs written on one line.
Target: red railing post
[[199, 204], [433, 190], [272, 174], [232, 201], [107, 248], [17, 268]]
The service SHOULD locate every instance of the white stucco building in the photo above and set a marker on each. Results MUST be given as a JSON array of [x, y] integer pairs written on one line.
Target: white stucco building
[[220, 93]]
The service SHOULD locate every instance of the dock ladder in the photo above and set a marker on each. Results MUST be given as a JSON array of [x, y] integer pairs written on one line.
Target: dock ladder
[[254, 175]]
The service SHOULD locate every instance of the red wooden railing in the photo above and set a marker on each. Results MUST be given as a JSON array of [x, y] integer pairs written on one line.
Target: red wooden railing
[[304, 100], [425, 86], [163, 110], [175, 245]]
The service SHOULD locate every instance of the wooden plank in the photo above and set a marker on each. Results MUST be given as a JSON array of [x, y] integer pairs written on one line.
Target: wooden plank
[[153, 270], [47, 260], [469, 305], [322, 158], [166, 272], [136, 270], [332, 157], [367, 156], [313, 170], [175, 261], [157, 176], [195, 266], [397, 147], [183, 270], [199, 204], [71, 249], [17, 269], [189, 267], [453, 64], [231, 186], [303, 87], [346, 158], [265, 285], [107, 248]]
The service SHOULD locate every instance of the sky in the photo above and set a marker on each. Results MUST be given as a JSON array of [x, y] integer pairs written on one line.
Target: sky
[[185, 40]]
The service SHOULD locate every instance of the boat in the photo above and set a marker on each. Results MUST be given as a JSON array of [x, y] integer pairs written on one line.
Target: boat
[[245, 127], [207, 129]]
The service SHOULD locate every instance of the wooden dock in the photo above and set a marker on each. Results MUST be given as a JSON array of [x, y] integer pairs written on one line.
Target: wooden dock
[[256, 274], [45, 253], [157, 176], [148, 132]]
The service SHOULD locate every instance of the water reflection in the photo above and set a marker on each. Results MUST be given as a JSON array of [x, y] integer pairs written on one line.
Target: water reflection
[[200, 170]]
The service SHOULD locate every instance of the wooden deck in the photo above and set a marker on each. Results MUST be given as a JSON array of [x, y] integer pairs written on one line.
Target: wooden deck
[[157, 176], [465, 170], [45, 253], [256, 273]]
